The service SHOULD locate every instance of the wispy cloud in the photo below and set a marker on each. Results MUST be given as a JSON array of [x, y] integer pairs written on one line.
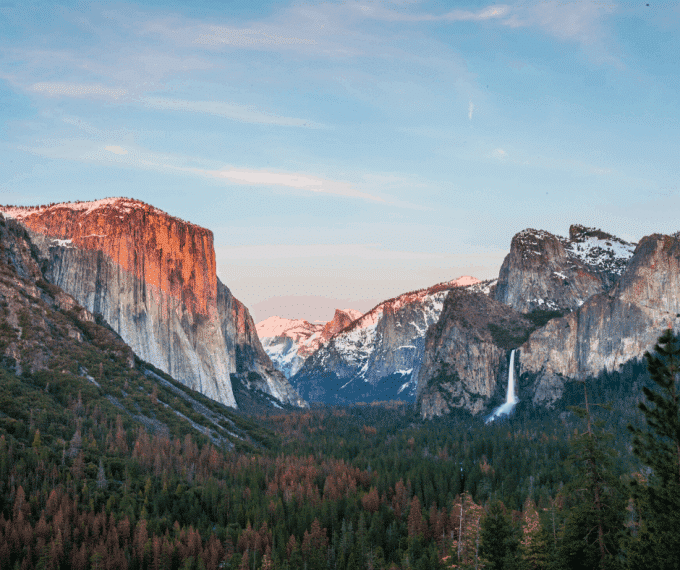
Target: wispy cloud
[[488, 13], [115, 149], [133, 156], [53, 89], [471, 108], [247, 37], [579, 21], [243, 113], [499, 154], [292, 180], [567, 20]]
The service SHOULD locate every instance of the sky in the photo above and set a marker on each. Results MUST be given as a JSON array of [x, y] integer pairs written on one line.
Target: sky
[[346, 152]]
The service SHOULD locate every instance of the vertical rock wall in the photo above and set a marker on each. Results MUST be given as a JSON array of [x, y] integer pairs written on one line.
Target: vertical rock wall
[[153, 279]]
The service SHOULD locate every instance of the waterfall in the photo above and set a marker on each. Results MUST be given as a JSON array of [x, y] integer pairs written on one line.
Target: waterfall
[[510, 398]]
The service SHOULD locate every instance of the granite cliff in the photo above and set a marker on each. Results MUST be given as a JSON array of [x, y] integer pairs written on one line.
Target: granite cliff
[[594, 305], [153, 279], [609, 329], [59, 358], [465, 355], [544, 271]]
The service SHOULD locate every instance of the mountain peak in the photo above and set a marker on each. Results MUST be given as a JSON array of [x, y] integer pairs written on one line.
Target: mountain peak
[[288, 342]]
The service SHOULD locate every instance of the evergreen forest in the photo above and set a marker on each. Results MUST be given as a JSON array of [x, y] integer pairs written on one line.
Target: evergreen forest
[[369, 486]]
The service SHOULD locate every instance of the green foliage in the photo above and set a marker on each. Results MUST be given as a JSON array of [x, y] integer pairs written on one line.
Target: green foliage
[[593, 529], [540, 317], [498, 541], [657, 500], [509, 338]]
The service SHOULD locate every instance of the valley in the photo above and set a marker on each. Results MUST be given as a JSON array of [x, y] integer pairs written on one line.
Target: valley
[[146, 421]]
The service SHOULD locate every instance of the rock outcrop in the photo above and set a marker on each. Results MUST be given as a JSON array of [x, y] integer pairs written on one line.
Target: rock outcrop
[[547, 272], [378, 355], [288, 342], [465, 355], [610, 328], [153, 279]]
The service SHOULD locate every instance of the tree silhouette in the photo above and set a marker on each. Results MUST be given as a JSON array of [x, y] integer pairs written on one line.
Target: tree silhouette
[[658, 447]]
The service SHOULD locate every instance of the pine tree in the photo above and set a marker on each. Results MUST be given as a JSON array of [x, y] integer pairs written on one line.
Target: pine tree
[[498, 543], [658, 447], [594, 525]]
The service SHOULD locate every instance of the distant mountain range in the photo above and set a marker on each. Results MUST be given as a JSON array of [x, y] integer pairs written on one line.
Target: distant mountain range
[[574, 308], [377, 356], [288, 342]]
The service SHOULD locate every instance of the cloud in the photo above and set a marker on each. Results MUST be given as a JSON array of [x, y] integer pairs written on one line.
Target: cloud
[[116, 149], [488, 13], [574, 21], [499, 153], [137, 157], [471, 108], [247, 37], [246, 114], [78, 90], [299, 181], [579, 21]]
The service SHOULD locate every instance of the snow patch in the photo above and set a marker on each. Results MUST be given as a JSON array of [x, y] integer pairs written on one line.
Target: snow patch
[[610, 254]]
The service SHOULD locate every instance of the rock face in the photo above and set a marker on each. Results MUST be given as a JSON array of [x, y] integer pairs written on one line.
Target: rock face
[[543, 271], [615, 302], [288, 342], [153, 279], [378, 355], [465, 356], [48, 340], [610, 328]]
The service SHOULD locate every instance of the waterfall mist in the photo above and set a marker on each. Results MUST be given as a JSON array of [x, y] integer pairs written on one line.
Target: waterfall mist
[[510, 398]]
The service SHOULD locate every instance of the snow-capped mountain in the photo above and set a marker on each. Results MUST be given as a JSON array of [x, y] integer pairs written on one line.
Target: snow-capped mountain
[[600, 251], [615, 298], [378, 355], [288, 342], [548, 272]]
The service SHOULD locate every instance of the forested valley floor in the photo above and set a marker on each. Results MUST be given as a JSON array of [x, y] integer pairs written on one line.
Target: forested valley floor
[[83, 485]]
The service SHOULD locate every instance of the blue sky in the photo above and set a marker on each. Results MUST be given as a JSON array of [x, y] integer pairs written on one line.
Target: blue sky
[[345, 152]]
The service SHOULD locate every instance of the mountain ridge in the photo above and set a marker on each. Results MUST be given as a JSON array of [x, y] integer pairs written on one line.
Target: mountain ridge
[[383, 346], [288, 342]]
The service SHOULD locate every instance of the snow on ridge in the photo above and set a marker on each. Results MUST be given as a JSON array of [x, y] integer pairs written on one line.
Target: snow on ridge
[[119, 204], [288, 342], [353, 313], [67, 243], [419, 310], [610, 253], [483, 286], [395, 303], [20, 212]]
